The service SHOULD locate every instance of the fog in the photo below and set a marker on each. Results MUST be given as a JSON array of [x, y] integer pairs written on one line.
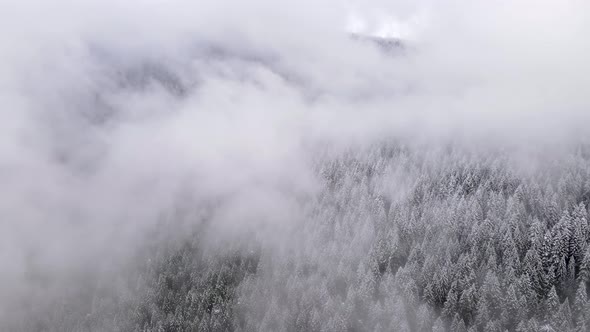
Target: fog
[[115, 115]]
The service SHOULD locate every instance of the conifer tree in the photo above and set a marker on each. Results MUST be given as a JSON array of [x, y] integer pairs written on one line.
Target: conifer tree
[[565, 317], [492, 292], [451, 304], [458, 324], [581, 305], [552, 306], [468, 304]]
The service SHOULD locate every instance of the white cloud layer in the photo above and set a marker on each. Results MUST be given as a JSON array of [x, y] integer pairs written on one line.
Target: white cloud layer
[[111, 109]]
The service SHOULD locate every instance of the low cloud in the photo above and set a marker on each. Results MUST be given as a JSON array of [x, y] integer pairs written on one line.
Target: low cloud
[[112, 111]]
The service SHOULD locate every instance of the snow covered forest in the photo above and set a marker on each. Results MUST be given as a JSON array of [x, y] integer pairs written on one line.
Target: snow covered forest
[[472, 244], [382, 166]]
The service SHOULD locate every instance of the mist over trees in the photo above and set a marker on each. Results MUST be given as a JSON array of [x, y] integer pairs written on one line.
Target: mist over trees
[[472, 246], [474, 243], [280, 166]]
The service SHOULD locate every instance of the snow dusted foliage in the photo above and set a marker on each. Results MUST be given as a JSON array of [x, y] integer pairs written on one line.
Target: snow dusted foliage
[[469, 242], [473, 243]]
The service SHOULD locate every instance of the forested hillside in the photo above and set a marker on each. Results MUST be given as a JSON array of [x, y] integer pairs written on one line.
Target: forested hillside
[[473, 245], [469, 242]]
